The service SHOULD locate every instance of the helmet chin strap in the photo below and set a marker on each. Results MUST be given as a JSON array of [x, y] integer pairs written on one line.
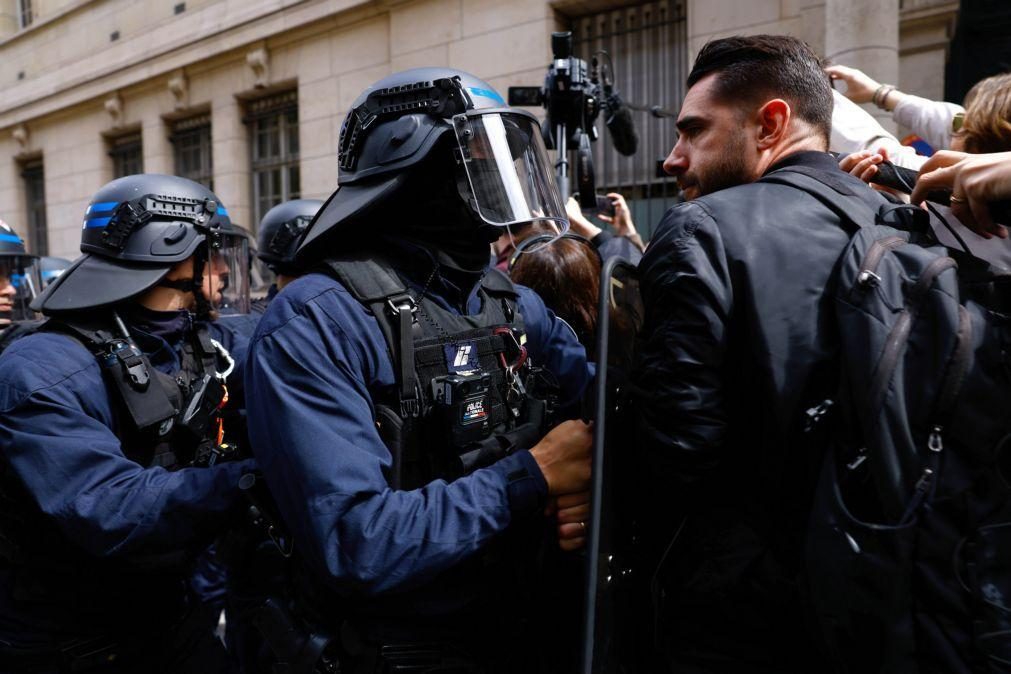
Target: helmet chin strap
[[194, 284]]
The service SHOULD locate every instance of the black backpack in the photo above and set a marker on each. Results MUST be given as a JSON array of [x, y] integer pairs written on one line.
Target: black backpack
[[909, 545]]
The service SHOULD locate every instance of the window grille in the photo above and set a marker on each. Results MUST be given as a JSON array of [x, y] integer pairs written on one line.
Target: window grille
[[26, 13], [274, 151], [191, 144], [35, 202], [648, 44], [127, 155]]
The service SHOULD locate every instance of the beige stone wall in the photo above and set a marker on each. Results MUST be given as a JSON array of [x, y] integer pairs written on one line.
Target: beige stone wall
[[77, 95], [79, 88], [925, 28]]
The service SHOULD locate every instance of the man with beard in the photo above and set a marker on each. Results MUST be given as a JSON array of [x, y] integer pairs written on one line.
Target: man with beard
[[404, 399], [737, 344]]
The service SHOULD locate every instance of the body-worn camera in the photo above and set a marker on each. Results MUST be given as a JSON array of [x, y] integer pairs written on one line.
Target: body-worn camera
[[464, 402]]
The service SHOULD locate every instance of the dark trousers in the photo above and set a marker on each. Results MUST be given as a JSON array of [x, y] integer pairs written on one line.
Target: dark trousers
[[191, 648]]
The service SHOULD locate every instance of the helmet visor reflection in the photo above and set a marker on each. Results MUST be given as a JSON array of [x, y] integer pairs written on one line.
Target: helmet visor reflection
[[508, 170], [228, 273], [19, 284]]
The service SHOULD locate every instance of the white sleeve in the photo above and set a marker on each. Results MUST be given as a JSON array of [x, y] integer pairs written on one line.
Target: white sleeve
[[854, 129], [930, 120]]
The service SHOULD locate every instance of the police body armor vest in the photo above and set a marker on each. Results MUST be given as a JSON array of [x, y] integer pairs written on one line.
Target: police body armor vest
[[466, 394], [167, 420]]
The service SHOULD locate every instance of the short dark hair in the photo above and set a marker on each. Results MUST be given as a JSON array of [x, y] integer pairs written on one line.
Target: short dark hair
[[777, 66]]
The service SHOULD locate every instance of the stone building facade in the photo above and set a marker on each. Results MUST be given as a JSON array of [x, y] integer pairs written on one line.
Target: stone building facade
[[249, 95]]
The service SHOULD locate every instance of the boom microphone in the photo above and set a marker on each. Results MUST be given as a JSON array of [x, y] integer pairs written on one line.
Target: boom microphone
[[619, 123]]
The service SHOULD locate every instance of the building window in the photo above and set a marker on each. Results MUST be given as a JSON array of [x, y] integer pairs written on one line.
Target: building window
[[648, 44], [191, 142], [273, 133], [25, 13], [127, 155], [35, 201]]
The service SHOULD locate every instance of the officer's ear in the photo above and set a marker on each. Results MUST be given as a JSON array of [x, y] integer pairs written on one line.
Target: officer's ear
[[773, 122]]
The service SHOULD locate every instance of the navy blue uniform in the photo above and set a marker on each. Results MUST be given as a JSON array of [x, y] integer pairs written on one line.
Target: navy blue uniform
[[59, 434], [318, 364]]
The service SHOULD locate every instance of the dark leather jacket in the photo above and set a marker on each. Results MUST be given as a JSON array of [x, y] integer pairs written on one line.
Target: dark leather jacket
[[738, 343]]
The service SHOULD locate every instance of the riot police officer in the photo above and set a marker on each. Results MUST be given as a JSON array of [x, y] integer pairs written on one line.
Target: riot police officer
[[400, 395], [113, 473], [19, 283], [280, 232]]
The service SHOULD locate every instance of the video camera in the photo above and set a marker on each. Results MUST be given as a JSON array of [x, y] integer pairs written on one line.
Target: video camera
[[575, 94]]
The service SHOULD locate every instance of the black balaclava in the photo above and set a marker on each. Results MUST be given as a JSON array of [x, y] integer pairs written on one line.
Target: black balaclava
[[431, 213]]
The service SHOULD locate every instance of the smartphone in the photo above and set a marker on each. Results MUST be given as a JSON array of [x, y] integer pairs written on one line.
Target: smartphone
[[604, 207]]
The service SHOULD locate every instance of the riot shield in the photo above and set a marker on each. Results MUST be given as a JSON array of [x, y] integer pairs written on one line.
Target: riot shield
[[609, 632]]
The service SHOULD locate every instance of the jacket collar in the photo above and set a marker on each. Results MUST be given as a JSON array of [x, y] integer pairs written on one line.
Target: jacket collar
[[810, 158]]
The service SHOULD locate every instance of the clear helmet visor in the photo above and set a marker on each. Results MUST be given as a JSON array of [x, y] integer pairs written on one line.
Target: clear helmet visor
[[508, 172], [226, 276], [19, 284]]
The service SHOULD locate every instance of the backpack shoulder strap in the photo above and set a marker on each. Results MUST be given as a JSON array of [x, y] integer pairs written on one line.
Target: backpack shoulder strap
[[831, 190]]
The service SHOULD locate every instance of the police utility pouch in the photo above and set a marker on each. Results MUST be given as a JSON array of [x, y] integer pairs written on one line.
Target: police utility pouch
[[129, 371]]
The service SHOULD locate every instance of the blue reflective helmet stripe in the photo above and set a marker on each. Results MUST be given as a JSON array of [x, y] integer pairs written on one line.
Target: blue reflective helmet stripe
[[101, 206], [10, 238], [96, 208], [222, 210], [487, 93], [97, 222]]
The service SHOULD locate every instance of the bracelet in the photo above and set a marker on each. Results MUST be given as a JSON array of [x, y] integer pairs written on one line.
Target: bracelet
[[881, 95]]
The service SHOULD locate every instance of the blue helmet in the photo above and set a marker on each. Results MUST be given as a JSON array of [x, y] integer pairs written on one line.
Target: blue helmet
[[502, 171], [135, 230]]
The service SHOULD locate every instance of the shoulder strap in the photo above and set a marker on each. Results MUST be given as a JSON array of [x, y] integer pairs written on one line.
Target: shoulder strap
[[497, 284], [831, 190], [125, 367], [369, 280], [375, 284], [497, 281]]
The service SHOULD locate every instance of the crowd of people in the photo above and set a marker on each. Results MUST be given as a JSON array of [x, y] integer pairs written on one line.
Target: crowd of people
[[384, 464]]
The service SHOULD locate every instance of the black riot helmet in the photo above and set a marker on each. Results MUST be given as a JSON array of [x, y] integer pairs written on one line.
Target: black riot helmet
[[135, 230], [502, 170], [281, 231], [19, 277]]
